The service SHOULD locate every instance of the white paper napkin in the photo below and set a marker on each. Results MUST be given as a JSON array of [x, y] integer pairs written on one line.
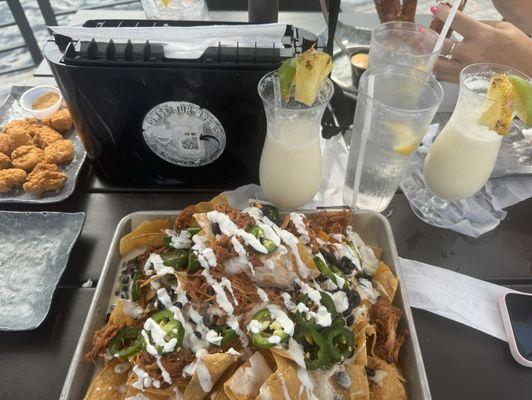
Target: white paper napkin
[[456, 296]]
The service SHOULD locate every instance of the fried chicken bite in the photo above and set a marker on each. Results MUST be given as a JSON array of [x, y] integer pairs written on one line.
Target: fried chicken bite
[[61, 120], [27, 157], [59, 152], [5, 161], [44, 178], [20, 137], [6, 144], [45, 136], [11, 178]]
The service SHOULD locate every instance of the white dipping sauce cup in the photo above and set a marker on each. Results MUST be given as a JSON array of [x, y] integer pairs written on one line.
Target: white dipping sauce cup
[[30, 95]]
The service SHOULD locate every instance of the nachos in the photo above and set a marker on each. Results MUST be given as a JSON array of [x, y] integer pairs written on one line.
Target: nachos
[[244, 305]]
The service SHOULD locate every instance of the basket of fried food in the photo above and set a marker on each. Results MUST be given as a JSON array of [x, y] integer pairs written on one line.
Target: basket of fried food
[[226, 304], [34, 153]]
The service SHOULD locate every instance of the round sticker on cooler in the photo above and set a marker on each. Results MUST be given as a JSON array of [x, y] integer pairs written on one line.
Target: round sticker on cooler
[[183, 134]]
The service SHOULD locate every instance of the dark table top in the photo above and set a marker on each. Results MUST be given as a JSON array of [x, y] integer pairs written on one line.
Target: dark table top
[[461, 363]]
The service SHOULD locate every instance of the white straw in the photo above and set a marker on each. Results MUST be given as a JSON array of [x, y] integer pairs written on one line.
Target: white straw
[[363, 139], [446, 27]]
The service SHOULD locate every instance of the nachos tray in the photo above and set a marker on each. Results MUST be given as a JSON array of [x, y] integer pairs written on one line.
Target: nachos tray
[[371, 226]]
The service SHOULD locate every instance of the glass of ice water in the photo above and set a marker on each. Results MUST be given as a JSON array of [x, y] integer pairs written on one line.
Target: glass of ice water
[[394, 109], [403, 43], [175, 9]]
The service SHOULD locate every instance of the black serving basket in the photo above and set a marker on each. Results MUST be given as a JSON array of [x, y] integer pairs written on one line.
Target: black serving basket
[[147, 120]]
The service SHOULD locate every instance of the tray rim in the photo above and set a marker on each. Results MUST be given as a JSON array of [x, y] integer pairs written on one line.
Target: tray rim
[[408, 318]]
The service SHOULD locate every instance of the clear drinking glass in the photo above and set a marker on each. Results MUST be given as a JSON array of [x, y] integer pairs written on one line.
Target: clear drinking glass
[[395, 106], [403, 43], [462, 157], [291, 163], [175, 9]]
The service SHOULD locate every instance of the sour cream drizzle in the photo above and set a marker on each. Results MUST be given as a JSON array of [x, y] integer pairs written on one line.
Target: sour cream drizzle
[[155, 261], [181, 240], [299, 222], [204, 376]]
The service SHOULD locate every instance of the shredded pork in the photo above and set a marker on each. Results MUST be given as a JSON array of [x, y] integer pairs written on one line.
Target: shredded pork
[[386, 317], [101, 339]]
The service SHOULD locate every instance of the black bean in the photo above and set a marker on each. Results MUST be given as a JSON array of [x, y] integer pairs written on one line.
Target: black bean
[[216, 228], [197, 334], [347, 265], [354, 301], [179, 305], [370, 372], [211, 291], [123, 295], [188, 297], [296, 286], [329, 257], [117, 292], [125, 288], [208, 320], [363, 275], [321, 278], [350, 320], [125, 279], [347, 312]]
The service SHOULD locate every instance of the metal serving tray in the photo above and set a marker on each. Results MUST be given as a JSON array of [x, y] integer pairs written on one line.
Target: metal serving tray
[[372, 227]]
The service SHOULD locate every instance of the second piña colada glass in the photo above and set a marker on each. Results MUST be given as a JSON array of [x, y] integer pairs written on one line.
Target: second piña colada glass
[[462, 157]]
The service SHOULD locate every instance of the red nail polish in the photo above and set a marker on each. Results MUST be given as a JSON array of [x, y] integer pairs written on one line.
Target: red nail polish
[[433, 9]]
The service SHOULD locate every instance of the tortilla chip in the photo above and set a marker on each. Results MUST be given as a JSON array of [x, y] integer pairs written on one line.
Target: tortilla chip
[[206, 206], [246, 381], [387, 381], [216, 365], [359, 331], [118, 317], [218, 391], [151, 393], [206, 228], [359, 389], [148, 234], [284, 382], [371, 338], [377, 251], [306, 257], [108, 384], [385, 281]]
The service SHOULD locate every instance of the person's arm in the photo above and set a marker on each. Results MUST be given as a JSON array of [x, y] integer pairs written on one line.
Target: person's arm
[[484, 42], [517, 12]]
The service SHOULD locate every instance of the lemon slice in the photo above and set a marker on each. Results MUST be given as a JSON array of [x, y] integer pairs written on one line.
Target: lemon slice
[[405, 150], [405, 138]]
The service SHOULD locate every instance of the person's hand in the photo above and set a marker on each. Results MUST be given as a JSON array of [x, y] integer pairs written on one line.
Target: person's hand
[[484, 42], [518, 12]]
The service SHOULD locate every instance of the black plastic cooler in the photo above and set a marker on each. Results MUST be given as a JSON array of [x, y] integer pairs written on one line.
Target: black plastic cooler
[[147, 120]]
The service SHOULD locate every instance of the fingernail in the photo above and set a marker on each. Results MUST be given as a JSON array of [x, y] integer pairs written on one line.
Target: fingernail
[[433, 9]]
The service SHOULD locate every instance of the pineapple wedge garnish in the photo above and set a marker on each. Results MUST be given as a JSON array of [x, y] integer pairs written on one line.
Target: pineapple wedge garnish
[[500, 112], [312, 69], [306, 73]]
